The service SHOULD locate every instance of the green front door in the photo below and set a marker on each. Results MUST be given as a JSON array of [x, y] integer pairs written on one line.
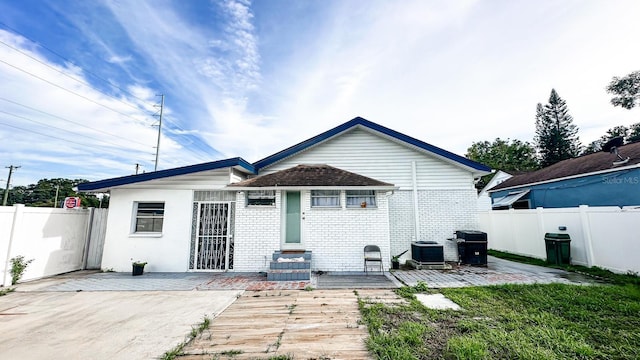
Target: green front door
[[293, 233]]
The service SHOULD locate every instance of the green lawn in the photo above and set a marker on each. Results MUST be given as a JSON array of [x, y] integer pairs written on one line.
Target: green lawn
[[553, 321]]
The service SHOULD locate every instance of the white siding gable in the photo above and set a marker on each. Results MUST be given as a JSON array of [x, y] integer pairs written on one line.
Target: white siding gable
[[371, 155], [203, 180]]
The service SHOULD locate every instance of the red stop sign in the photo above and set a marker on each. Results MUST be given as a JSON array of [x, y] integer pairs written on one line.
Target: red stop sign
[[70, 202]]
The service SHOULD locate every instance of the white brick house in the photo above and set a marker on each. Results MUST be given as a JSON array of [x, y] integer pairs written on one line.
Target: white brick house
[[230, 215]]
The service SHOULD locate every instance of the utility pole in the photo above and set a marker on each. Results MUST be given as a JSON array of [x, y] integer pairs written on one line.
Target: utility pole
[[55, 202], [6, 190], [159, 115]]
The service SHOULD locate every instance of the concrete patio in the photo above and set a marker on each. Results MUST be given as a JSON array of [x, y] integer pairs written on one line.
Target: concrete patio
[[497, 272]]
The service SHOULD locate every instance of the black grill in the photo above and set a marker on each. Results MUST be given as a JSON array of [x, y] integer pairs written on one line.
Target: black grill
[[472, 247]]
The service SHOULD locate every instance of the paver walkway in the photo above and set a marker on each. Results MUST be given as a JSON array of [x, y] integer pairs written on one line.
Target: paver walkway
[[319, 324], [497, 272], [168, 282]]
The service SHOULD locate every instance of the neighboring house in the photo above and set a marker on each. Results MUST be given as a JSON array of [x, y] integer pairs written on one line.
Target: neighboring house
[[484, 200], [599, 179], [357, 184]]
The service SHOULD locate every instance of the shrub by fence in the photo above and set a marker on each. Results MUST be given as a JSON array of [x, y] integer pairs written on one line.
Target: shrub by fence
[[57, 239]]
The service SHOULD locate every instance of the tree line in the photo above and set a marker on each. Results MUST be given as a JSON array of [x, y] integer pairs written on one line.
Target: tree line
[[43, 194], [556, 137]]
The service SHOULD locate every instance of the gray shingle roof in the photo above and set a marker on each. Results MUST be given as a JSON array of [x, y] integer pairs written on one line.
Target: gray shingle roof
[[600, 161], [310, 175]]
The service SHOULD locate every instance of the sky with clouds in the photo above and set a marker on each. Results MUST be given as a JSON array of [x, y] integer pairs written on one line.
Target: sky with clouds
[[80, 79]]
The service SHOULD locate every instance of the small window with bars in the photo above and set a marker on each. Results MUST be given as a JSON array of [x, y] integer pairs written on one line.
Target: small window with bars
[[149, 217], [361, 198], [325, 198], [261, 198]]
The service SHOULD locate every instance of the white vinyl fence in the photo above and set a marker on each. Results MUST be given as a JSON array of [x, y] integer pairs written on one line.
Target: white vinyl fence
[[58, 240], [607, 237]]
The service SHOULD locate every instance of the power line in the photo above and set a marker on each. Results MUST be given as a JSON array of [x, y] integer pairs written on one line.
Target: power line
[[73, 78], [61, 129], [65, 89], [71, 121], [104, 149], [69, 76], [58, 138], [88, 99], [205, 152], [73, 63]]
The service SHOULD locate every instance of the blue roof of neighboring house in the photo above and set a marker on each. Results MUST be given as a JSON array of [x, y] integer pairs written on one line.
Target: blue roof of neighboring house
[[358, 121], [125, 180], [585, 165]]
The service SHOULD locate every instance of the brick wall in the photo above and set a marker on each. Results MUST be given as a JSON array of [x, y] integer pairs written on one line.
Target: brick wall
[[441, 213], [336, 236], [444, 211], [401, 222], [257, 234]]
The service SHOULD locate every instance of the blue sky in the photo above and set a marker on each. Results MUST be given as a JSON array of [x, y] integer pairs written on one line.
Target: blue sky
[[80, 78]]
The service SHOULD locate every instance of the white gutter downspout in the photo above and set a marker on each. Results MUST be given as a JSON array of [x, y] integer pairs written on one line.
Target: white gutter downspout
[[416, 209]]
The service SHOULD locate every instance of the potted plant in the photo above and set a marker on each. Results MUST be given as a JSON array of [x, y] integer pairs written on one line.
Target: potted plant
[[138, 267], [395, 260]]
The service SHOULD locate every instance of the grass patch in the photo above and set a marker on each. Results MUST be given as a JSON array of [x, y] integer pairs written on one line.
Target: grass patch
[[551, 321], [6, 291], [195, 331], [594, 271], [232, 353], [282, 357]]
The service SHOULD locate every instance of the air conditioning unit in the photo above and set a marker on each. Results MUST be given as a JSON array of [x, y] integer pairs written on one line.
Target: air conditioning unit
[[427, 252]]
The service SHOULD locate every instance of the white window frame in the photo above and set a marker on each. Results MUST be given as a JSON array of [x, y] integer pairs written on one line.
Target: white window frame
[[368, 196], [157, 215], [259, 196], [318, 195]]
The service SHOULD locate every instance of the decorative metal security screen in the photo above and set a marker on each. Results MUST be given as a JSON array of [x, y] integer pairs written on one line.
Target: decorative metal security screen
[[212, 233]]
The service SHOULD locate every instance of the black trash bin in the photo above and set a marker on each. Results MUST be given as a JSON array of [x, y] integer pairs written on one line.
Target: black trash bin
[[558, 248], [472, 247]]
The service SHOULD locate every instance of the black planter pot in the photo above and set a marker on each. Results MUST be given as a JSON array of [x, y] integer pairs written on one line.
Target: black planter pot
[[137, 270], [395, 265]]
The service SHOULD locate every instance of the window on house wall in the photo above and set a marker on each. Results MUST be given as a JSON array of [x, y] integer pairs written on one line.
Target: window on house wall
[[149, 217], [214, 195], [261, 197], [325, 198], [361, 198]]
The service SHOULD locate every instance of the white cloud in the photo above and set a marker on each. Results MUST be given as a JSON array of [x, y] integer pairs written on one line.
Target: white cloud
[[451, 73], [116, 59], [56, 125]]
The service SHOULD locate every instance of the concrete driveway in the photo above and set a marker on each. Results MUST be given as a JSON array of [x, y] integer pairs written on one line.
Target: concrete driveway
[[91, 315], [103, 325]]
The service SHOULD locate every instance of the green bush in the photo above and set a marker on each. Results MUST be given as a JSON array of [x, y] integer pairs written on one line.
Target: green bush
[[18, 267]]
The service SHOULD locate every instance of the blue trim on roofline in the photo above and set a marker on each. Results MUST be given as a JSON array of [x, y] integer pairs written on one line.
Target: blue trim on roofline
[[132, 179], [371, 125]]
